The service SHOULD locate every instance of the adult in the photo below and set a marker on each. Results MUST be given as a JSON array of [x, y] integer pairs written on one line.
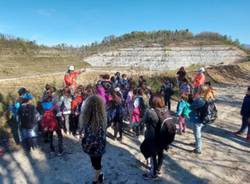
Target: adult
[[181, 75], [71, 76], [157, 135], [245, 113], [94, 140], [199, 81]]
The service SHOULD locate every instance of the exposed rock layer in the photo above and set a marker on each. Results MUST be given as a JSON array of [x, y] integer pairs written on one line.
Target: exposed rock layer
[[163, 58]]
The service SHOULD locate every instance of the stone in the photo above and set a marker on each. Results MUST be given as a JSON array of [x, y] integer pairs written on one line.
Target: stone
[[167, 58]]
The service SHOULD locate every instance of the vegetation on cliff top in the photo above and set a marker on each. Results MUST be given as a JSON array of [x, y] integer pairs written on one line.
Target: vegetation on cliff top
[[145, 39]]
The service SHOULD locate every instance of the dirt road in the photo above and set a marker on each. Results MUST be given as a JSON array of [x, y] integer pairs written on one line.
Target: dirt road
[[225, 157]]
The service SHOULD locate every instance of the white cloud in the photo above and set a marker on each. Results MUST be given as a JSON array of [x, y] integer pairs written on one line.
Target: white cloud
[[46, 12]]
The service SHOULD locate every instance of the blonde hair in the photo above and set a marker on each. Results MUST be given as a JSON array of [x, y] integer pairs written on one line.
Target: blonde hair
[[94, 113]]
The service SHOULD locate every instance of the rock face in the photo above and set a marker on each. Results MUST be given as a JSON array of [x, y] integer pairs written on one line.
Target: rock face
[[165, 58]]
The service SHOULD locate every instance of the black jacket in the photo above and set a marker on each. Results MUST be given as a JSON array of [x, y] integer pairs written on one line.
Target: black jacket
[[245, 108]]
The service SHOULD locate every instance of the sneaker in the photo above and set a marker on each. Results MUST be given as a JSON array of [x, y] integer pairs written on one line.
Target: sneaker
[[158, 173], [149, 176], [197, 152], [248, 138], [101, 178], [191, 144], [179, 131], [52, 154], [60, 154], [119, 139], [238, 133], [2, 152]]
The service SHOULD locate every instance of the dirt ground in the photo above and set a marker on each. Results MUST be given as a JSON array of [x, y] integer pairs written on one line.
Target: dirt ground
[[225, 158]]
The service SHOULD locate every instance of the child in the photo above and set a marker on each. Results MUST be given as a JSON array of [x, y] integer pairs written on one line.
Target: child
[[197, 104], [76, 109], [208, 92], [138, 111], [115, 106], [49, 122], [129, 104], [167, 91], [28, 118], [245, 113], [183, 110], [14, 108], [65, 106], [185, 87]]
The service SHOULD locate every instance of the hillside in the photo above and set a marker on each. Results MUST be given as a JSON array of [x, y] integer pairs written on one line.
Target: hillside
[[149, 50], [160, 38], [19, 57]]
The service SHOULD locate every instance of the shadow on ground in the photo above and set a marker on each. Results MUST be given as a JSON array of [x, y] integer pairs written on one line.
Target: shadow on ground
[[73, 167]]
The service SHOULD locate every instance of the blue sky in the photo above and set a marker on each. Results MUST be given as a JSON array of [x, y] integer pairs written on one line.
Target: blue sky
[[80, 22]]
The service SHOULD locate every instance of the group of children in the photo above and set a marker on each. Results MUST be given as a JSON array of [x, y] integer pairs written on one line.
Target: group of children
[[125, 99], [59, 110]]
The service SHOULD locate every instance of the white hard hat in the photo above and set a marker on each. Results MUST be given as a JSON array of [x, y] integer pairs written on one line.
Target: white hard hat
[[71, 68], [202, 69]]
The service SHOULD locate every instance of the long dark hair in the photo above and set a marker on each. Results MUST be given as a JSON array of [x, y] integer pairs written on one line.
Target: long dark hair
[[94, 113]]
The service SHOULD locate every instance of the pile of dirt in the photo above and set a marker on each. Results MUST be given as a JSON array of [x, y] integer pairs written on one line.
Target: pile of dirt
[[228, 74]]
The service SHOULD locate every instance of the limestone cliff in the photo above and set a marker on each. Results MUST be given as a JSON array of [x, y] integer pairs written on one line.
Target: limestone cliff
[[163, 58]]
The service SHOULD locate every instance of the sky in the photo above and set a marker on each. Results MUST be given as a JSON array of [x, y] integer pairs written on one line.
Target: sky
[[78, 22]]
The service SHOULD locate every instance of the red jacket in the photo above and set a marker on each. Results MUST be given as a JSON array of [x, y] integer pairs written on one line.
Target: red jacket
[[76, 102], [199, 80], [70, 79]]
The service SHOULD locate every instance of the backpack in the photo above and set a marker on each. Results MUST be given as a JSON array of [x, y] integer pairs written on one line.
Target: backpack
[[49, 121], [168, 90], [27, 115], [142, 106], [94, 143], [166, 128], [207, 113]]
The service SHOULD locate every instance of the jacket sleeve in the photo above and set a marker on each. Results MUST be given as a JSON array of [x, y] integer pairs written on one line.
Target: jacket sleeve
[[67, 80], [242, 106], [38, 116], [136, 103], [180, 108]]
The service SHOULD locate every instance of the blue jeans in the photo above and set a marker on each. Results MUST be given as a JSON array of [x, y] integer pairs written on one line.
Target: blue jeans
[[245, 125], [197, 127]]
